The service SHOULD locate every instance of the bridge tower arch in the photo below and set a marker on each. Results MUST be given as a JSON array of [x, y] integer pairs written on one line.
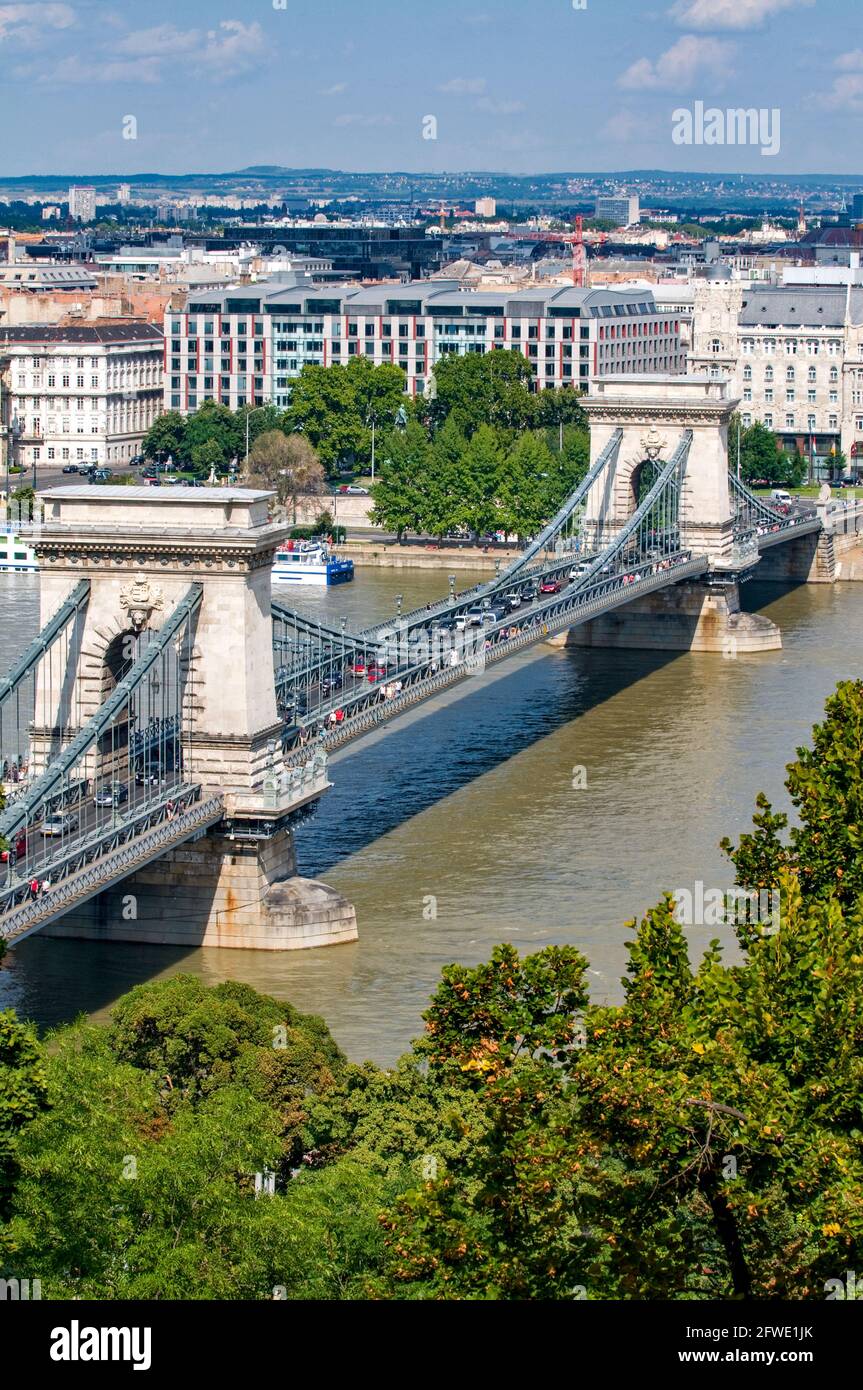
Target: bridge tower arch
[[142, 549], [653, 412]]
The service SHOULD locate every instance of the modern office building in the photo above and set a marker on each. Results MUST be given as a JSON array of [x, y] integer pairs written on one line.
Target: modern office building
[[246, 345], [619, 208], [357, 251], [81, 394]]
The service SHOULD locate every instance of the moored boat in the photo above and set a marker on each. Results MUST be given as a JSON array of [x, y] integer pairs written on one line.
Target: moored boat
[[310, 562]]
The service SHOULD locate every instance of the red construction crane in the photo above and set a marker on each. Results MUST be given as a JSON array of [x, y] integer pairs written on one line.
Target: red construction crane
[[575, 239]]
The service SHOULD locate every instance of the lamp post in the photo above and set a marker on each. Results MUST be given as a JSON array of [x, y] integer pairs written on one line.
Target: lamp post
[[249, 414], [451, 587], [399, 598]]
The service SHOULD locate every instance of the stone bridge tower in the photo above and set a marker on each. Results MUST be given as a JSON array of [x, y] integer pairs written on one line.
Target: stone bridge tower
[[653, 412], [141, 549]]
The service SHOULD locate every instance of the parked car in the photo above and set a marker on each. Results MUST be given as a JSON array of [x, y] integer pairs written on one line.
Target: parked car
[[62, 823], [114, 795], [19, 849], [100, 475], [550, 586], [70, 468], [353, 490]]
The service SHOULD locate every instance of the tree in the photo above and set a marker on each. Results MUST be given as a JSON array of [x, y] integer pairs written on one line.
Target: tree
[[23, 1096], [524, 486], [558, 407], [331, 406], [760, 454], [210, 454], [212, 424], [289, 464], [491, 388], [825, 785], [398, 496], [480, 472], [166, 436]]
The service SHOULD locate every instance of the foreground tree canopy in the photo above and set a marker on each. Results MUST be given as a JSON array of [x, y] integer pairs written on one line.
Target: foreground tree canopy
[[700, 1139]]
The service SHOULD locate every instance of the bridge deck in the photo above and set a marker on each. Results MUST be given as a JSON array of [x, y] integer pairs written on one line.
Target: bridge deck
[[94, 866]]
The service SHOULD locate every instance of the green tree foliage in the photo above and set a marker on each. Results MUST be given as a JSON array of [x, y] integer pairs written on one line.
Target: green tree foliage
[[333, 406], [491, 388], [399, 496], [761, 456], [825, 784], [166, 436], [23, 1096]]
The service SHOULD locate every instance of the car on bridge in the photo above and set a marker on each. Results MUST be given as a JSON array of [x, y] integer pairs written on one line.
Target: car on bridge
[[376, 671], [358, 666], [550, 586], [62, 823], [514, 599], [114, 795], [580, 569]]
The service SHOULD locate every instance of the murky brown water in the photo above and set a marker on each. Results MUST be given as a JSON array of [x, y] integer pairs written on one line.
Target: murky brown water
[[471, 803]]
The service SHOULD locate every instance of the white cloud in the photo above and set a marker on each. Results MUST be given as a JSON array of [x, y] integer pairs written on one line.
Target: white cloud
[[846, 93], [355, 118], [164, 39], [500, 108], [623, 127], [74, 70], [141, 54], [464, 86], [689, 59], [29, 24], [729, 14], [233, 48], [850, 62], [334, 91]]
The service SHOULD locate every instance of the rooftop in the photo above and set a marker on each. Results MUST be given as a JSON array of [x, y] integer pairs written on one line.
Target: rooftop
[[134, 332]]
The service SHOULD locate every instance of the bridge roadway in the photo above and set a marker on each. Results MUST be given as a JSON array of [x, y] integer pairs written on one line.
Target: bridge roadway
[[441, 661]]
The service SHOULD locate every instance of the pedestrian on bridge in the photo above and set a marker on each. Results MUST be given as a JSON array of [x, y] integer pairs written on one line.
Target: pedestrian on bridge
[[34, 888]]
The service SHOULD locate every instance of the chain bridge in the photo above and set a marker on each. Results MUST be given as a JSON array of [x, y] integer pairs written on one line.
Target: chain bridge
[[170, 724]]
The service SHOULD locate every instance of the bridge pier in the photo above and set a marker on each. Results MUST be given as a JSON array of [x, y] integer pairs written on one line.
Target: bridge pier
[[220, 890], [140, 549], [809, 559], [692, 616]]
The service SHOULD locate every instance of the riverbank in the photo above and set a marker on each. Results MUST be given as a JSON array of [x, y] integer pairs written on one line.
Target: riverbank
[[382, 554]]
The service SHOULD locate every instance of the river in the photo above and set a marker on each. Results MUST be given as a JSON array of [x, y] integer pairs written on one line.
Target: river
[[550, 800]]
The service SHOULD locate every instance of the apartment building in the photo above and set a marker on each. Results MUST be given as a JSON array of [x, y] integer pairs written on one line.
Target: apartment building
[[82, 202], [79, 394], [246, 346], [794, 354]]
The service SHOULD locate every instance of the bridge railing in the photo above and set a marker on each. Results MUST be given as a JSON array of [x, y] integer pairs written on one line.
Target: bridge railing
[[366, 709], [318, 692], [102, 860]]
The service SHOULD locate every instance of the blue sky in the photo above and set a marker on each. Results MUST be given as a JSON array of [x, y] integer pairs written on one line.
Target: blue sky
[[517, 85]]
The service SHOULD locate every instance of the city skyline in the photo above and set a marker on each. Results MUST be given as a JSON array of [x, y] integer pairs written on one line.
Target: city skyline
[[552, 87]]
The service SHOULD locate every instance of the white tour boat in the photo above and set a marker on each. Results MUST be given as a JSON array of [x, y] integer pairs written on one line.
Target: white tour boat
[[310, 562], [15, 552]]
